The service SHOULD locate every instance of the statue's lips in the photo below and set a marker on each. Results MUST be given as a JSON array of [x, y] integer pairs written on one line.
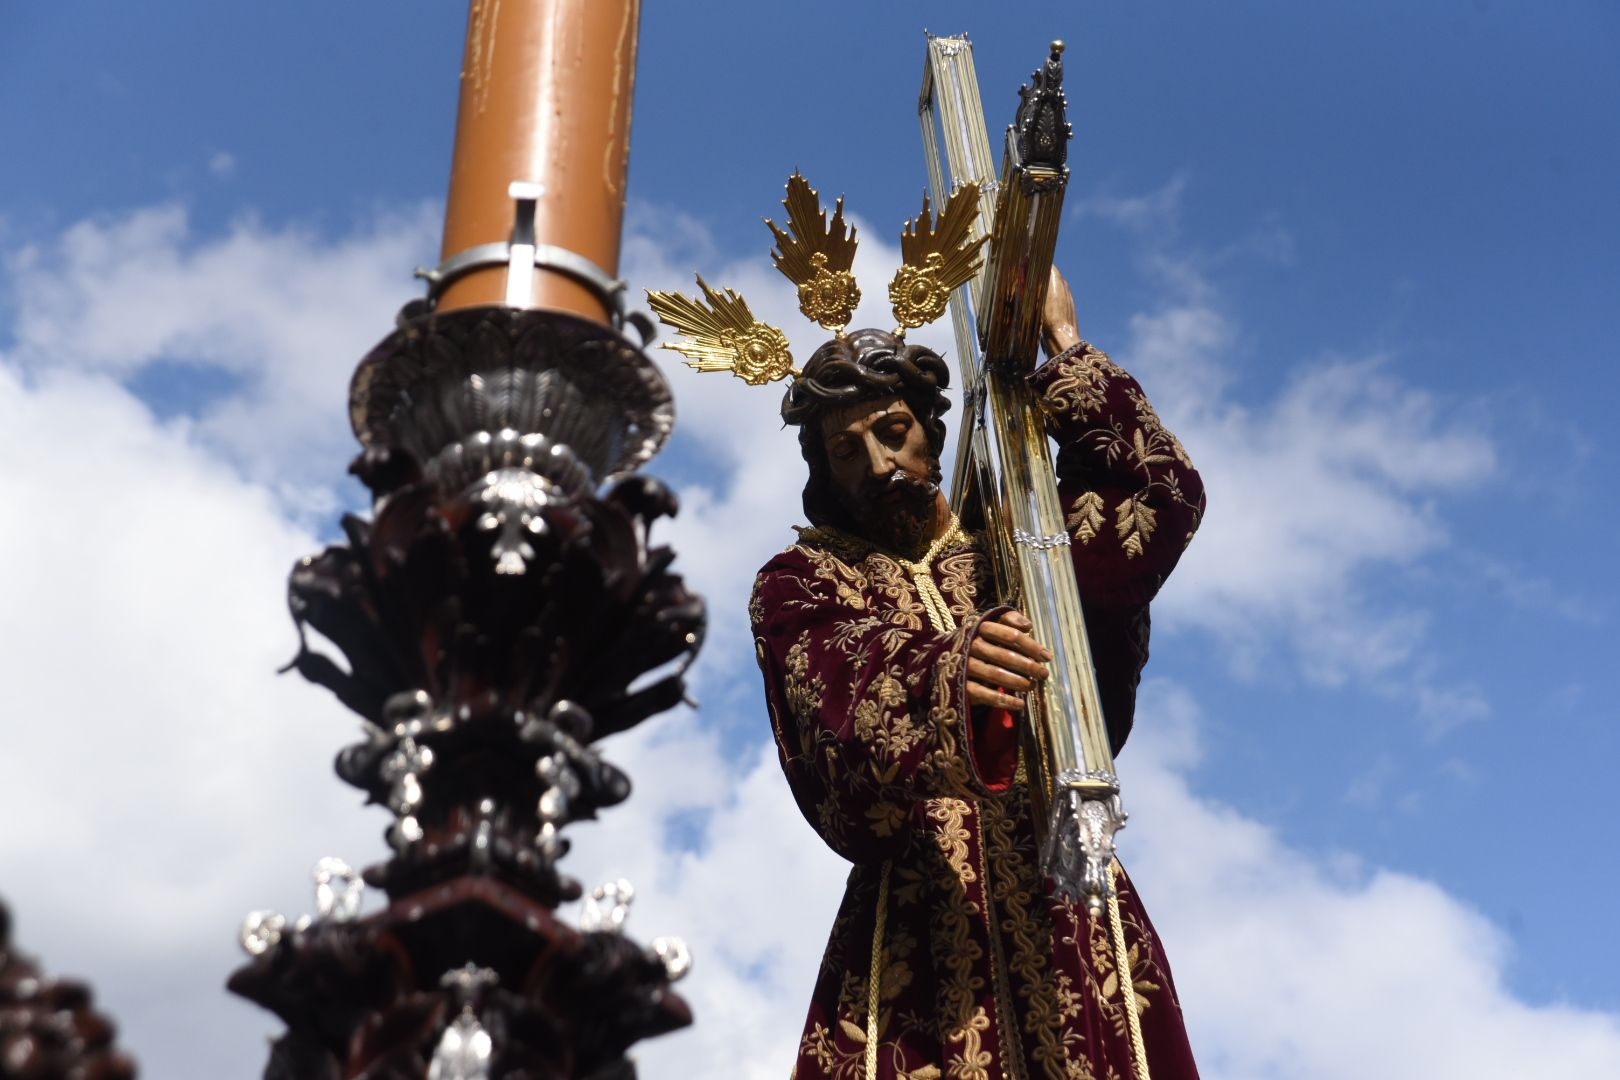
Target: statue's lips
[[896, 497]]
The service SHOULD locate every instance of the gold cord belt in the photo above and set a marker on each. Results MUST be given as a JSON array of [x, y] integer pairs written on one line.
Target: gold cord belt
[[1127, 981], [922, 575], [874, 982]]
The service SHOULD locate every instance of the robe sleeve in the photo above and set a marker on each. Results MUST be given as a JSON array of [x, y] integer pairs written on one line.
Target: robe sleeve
[[870, 717], [1132, 501]]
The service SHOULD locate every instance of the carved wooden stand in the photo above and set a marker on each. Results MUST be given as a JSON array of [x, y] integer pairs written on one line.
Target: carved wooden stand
[[501, 612], [494, 615]]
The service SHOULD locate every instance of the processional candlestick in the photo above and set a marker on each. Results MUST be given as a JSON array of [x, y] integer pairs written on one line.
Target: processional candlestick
[[1004, 477], [497, 608]]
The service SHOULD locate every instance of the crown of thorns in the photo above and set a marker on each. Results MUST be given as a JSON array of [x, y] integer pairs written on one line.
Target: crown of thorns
[[719, 333]]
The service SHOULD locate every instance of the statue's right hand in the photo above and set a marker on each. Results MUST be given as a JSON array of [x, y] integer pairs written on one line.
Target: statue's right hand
[[1060, 325], [1005, 662]]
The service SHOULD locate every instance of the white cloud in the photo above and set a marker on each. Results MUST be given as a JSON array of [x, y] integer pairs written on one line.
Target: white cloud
[[754, 901], [1530, 591], [158, 780], [279, 316], [1156, 214], [1291, 965], [1324, 488]]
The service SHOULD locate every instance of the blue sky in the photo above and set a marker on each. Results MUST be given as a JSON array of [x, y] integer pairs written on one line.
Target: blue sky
[[1364, 257]]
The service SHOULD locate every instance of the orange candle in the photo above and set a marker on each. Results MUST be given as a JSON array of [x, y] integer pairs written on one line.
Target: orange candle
[[546, 87]]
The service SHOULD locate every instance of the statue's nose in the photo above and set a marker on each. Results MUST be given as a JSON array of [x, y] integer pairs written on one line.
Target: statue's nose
[[879, 456]]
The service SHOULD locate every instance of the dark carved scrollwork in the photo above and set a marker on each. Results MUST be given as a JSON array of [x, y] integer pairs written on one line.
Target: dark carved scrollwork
[[498, 616], [1041, 127], [480, 685], [362, 999], [49, 1028]]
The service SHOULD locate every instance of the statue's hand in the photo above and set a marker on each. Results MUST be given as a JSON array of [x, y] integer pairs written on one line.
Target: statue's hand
[[1004, 662], [1060, 326]]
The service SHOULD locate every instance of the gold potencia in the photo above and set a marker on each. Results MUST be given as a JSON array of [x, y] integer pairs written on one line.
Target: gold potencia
[[720, 333], [937, 256], [817, 256]]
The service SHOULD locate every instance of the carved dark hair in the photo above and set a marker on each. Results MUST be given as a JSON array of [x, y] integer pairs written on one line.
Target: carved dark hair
[[864, 365]]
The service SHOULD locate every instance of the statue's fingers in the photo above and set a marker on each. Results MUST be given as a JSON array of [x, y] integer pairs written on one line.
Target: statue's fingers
[[1007, 658], [1017, 620], [1032, 648], [989, 696], [1013, 639], [996, 675]]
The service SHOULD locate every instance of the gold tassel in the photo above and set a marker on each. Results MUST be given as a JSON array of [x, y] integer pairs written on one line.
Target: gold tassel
[[1127, 981]]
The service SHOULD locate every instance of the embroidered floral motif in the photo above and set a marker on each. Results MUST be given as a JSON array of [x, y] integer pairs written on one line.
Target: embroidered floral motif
[[1086, 516], [756, 608], [895, 586], [1016, 888], [803, 693], [1148, 417], [965, 576], [1134, 521], [887, 818], [1107, 973], [835, 1061], [948, 761], [1080, 388], [962, 1020], [879, 722], [1148, 460], [910, 882]]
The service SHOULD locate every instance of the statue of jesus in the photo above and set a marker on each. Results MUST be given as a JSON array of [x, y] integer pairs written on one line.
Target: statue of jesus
[[897, 685], [896, 689]]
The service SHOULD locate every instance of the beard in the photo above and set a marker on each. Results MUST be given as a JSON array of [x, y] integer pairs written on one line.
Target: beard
[[896, 512]]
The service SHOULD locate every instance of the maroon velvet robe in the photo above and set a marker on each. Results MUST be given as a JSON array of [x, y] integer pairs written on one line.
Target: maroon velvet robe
[[947, 927]]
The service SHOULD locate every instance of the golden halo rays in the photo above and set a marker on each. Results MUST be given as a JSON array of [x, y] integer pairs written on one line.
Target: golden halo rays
[[718, 331]]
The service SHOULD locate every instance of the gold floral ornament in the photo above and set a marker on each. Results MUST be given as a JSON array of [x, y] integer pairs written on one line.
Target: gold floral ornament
[[723, 335], [817, 256], [719, 333], [938, 256]]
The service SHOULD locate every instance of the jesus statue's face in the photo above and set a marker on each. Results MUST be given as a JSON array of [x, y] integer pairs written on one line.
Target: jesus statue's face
[[884, 472]]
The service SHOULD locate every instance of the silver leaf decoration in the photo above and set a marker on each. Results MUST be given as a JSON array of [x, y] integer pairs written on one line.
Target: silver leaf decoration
[[464, 1051]]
